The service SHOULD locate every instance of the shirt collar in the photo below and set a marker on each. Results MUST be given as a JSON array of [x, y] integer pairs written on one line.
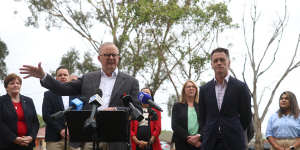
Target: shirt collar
[[114, 74], [226, 78]]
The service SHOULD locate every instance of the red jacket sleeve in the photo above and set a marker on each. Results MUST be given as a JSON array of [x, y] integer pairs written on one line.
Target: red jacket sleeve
[[156, 125]]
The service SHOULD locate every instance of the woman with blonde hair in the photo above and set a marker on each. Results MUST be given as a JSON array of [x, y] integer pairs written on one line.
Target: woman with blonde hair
[[185, 121]]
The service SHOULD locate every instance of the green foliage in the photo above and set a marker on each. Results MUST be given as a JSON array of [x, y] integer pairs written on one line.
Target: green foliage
[[41, 121], [3, 54], [70, 60], [158, 40], [87, 65], [198, 63]]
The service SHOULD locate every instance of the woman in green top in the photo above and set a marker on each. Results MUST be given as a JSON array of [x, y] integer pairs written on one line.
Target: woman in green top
[[185, 121]]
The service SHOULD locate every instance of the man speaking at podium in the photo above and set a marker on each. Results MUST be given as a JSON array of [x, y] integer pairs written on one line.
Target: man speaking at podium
[[109, 79]]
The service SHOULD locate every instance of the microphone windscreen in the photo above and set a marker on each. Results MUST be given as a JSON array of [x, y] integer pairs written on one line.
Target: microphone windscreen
[[144, 97], [77, 103]]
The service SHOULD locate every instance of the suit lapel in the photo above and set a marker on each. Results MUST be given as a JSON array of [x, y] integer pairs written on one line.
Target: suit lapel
[[60, 102], [24, 104], [10, 105], [25, 109], [213, 94], [118, 84], [185, 111], [96, 81], [196, 106], [227, 93]]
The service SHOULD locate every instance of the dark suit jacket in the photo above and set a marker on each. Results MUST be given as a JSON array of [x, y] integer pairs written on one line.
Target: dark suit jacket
[[180, 125], [86, 86], [233, 118], [53, 103], [8, 120]]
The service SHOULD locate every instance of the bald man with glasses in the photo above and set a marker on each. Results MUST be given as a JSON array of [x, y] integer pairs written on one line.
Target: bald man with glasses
[[109, 79]]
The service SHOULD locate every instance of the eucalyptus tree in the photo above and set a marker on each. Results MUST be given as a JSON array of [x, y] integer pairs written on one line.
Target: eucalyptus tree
[[158, 40], [3, 53]]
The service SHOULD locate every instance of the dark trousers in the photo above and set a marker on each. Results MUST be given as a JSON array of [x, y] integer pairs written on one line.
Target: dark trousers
[[220, 144], [17, 147]]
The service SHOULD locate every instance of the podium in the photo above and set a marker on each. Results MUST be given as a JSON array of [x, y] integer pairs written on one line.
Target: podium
[[112, 126]]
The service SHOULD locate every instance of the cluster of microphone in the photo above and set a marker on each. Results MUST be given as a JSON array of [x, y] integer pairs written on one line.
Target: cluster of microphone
[[145, 98], [75, 104], [97, 101]]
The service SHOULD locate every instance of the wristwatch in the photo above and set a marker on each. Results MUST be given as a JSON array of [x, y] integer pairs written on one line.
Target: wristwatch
[[292, 148]]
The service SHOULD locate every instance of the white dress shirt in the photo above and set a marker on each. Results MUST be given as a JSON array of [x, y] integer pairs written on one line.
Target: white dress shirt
[[106, 85], [65, 100]]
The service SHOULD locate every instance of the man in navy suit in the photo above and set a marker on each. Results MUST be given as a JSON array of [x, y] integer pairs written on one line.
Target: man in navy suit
[[225, 107], [52, 103]]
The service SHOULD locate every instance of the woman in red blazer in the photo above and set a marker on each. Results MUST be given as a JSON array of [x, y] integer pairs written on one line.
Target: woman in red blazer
[[141, 139]]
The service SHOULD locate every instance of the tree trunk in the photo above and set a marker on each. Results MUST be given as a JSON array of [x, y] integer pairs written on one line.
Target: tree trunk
[[259, 141]]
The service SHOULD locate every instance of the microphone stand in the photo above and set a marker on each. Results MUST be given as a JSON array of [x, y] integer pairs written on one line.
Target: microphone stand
[[149, 123], [66, 134], [128, 130], [91, 127]]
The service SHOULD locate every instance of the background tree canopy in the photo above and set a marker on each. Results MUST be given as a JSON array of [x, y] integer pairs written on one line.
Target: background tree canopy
[[159, 41], [3, 54], [71, 61]]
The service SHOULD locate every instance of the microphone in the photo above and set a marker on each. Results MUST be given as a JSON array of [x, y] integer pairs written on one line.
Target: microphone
[[147, 99], [75, 104], [134, 112], [96, 101]]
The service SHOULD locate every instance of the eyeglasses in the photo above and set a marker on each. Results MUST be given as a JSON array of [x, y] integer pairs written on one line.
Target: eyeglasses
[[108, 55], [190, 87]]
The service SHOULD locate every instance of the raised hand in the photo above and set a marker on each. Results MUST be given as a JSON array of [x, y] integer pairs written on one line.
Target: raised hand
[[32, 71]]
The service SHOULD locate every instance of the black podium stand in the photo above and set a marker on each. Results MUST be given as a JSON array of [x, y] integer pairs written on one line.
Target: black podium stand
[[112, 126]]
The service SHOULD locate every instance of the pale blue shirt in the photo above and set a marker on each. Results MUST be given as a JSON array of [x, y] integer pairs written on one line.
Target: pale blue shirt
[[106, 85], [285, 127]]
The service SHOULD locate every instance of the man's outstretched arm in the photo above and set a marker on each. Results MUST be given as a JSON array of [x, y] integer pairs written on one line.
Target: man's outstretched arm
[[32, 71]]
